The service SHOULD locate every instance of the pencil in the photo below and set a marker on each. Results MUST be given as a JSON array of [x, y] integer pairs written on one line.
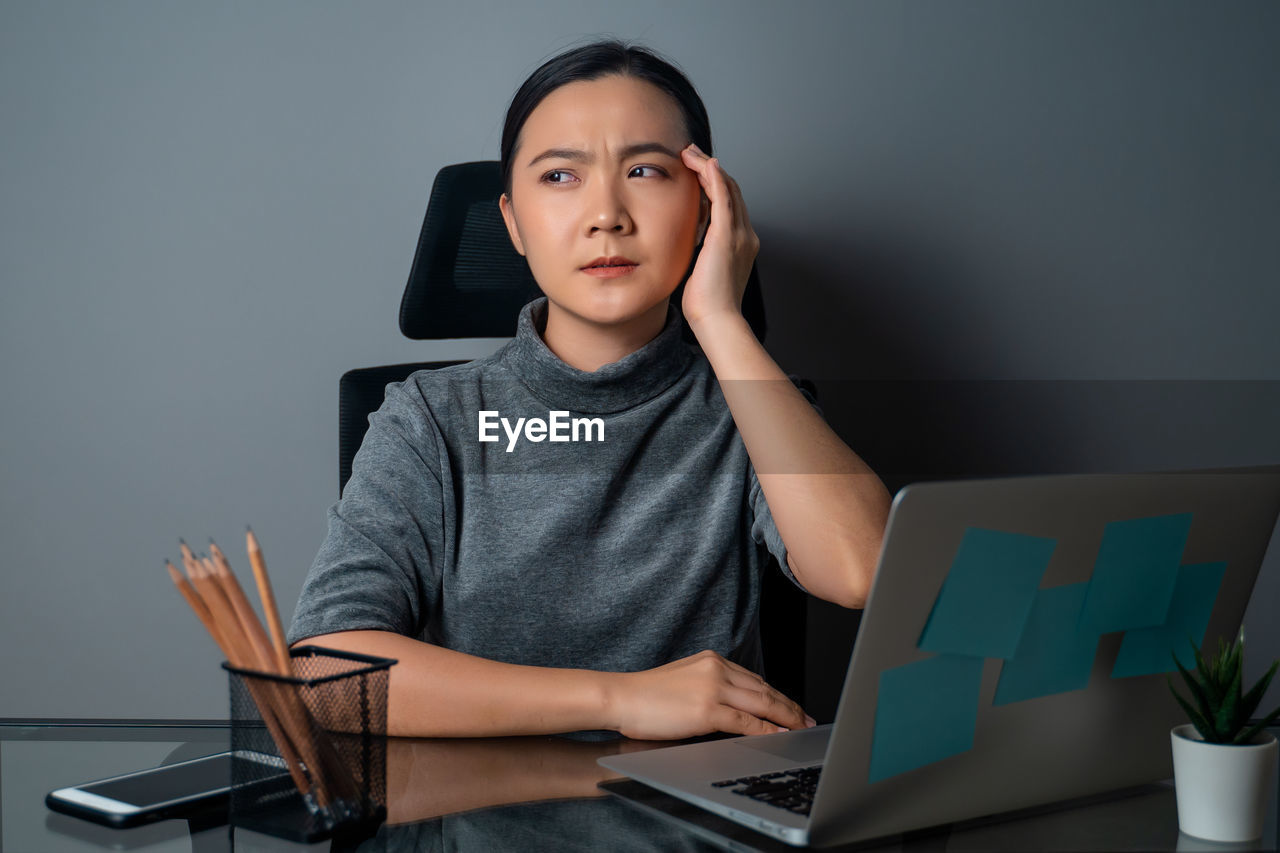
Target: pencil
[[249, 623], [268, 602], [197, 604], [215, 595], [234, 654], [234, 611], [329, 771]]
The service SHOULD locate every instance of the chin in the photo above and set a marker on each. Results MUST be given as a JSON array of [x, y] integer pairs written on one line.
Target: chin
[[612, 308]]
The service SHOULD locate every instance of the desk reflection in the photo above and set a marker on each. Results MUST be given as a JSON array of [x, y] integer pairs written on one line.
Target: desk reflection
[[513, 793]]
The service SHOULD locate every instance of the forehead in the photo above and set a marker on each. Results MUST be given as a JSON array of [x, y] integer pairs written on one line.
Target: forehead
[[586, 112]]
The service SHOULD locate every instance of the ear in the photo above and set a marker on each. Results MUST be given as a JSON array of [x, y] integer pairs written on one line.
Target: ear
[[509, 217], [704, 217]]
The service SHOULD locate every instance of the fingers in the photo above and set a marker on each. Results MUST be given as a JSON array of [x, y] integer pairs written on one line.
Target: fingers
[[787, 712], [720, 186], [739, 722], [766, 704], [747, 691]]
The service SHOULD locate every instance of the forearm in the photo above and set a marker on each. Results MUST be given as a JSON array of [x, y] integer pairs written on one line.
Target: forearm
[[438, 692], [428, 777], [829, 506]]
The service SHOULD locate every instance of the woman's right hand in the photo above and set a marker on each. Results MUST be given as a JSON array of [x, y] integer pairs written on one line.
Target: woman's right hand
[[697, 695]]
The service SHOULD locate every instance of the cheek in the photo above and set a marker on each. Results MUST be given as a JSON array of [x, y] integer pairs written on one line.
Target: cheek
[[685, 226], [682, 210], [543, 231]]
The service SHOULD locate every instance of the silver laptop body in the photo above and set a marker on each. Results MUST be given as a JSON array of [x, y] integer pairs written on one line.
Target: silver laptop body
[[961, 698]]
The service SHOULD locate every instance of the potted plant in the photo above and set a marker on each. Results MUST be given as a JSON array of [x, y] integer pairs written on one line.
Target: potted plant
[[1222, 767]]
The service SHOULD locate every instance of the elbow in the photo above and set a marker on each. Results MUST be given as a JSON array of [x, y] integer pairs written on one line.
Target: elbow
[[859, 554], [863, 554], [864, 561], [856, 602], [849, 591], [851, 597], [855, 598]]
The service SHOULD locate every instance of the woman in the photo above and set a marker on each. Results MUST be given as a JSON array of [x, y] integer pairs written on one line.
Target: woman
[[606, 579]]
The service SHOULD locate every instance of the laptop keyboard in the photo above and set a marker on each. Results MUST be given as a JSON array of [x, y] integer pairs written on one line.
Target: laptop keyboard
[[787, 789]]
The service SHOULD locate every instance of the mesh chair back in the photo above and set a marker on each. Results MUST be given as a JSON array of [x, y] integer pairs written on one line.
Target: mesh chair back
[[361, 392]]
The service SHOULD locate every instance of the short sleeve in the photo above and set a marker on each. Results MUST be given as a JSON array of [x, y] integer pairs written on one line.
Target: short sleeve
[[763, 529], [380, 563]]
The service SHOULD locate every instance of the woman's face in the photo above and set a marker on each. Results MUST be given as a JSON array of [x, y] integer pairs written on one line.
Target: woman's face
[[566, 210]]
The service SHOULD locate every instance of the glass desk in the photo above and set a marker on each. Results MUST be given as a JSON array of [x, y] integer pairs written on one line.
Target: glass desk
[[526, 793]]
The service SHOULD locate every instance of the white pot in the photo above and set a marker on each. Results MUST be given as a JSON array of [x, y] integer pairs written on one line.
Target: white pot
[[1222, 789]]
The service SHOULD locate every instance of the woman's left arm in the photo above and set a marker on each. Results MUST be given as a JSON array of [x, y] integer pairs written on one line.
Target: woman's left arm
[[829, 506]]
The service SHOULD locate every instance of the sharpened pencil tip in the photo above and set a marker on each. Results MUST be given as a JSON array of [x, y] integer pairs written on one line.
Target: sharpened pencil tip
[[183, 541]]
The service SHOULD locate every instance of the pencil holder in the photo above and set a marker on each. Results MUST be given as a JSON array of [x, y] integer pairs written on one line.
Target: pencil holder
[[309, 751]]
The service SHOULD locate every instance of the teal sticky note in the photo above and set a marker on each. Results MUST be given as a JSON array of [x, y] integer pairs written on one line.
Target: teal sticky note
[[987, 594], [1145, 651], [1053, 655], [1134, 573], [925, 711]]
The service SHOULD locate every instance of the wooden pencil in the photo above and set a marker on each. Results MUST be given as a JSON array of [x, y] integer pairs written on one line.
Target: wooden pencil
[[331, 774], [218, 600], [197, 604], [249, 623], [234, 654], [338, 772], [268, 598], [233, 610]]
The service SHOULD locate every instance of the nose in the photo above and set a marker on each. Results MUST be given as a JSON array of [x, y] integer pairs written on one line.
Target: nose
[[606, 209]]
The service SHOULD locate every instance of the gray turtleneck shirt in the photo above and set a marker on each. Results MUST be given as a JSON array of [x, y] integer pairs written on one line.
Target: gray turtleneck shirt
[[637, 547]]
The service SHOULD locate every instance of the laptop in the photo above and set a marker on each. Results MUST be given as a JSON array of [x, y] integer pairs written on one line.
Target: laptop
[[1015, 650]]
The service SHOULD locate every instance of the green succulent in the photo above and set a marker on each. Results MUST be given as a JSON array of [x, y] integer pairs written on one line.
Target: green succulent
[[1221, 713]]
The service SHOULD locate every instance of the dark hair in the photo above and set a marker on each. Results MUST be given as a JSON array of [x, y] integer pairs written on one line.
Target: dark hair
[[591, 62]]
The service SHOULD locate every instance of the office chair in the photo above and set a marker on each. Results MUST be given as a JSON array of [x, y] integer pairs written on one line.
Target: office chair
[[468, 281]]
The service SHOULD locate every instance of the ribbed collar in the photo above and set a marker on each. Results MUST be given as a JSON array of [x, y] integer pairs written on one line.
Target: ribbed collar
[[630, 381]]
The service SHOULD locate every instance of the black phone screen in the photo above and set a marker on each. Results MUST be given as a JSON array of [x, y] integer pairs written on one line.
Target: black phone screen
[[179, 781]]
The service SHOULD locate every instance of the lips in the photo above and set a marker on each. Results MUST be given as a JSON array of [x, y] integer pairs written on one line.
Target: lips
[[611, 261]]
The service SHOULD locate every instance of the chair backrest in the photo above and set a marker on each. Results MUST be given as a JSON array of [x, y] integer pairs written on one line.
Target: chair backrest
[[468, 281]]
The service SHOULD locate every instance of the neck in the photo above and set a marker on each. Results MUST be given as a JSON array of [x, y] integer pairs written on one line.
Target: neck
[[588, 346]]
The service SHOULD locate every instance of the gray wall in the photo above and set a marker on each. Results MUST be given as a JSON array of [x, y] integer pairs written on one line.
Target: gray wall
[[207, 214]]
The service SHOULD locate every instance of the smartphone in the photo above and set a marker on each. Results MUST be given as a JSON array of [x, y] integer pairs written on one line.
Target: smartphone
[[159, 793]]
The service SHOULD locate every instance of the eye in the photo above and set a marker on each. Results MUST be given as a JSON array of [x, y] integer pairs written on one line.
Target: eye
[[547, 178]]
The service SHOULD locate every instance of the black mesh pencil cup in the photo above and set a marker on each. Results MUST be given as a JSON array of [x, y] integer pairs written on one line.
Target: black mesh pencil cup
[[309, 751]]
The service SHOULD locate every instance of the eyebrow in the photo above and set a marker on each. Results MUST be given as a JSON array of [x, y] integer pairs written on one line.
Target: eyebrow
[[583, 157]]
